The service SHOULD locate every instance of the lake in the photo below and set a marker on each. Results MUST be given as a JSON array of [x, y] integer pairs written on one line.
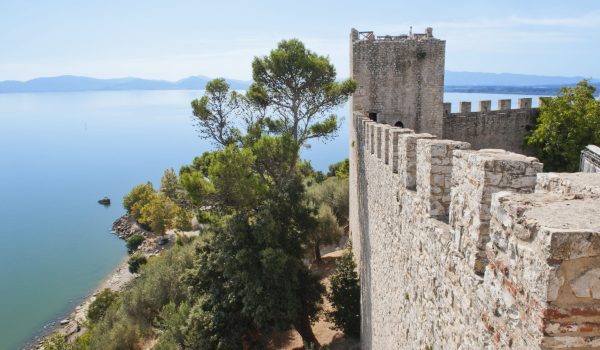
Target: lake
[[59, 154]]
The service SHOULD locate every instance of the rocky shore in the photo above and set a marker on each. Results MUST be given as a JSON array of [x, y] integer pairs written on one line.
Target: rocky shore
[[126, 226], [74, 325]]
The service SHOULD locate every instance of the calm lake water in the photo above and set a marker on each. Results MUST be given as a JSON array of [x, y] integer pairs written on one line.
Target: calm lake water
[[59, 154]]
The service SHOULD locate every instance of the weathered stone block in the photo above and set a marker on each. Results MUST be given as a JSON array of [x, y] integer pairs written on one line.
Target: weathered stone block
[[407, 158], [394, 137], [544, 250], [504, 105], [432, 179], [485, 106], [564, 183], [476, 176], [465, 107]]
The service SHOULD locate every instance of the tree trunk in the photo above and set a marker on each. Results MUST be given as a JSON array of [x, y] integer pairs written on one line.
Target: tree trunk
[[303, 327], [317, 251]]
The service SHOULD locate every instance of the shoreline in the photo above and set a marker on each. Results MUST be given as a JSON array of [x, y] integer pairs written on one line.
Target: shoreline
[[72, 324], [115, 280]]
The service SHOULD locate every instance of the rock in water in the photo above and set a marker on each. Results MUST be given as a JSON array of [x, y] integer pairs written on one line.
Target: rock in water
[[104, 201]]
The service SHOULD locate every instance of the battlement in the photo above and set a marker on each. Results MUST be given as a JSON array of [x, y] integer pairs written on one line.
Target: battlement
[[485, 107], [504, 127], [370, 36], [464, 248]]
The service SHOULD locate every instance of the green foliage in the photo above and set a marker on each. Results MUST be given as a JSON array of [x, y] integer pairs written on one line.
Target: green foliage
[[169, 184], [198, 187], [566, 124], [345, 296], [214, 112], [172, 189], [57, 342], [103, 301], [236, 184], [115, 332], [310, 175], [327, 230], [173, 322], [135, 241], [158, 285], [183, 219], [251, 277], [340, 170], [138, 198], [159, 214], [335, 193], [302, 87], [135, 261], [248, 278], [139, 308]]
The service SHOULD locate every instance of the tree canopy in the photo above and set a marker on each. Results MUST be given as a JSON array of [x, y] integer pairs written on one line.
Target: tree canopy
[[249, 276], [566, 124], [214, 113], [301, 88], [253, 270]]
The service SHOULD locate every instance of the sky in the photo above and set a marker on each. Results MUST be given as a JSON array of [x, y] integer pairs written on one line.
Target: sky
[[158, 39]]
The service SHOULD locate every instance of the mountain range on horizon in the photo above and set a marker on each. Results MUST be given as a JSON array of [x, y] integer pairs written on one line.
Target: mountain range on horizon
[[454, 82]]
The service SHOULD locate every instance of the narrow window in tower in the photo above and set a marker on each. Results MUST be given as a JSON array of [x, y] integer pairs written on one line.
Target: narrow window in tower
[[399, 124], [373, 116]]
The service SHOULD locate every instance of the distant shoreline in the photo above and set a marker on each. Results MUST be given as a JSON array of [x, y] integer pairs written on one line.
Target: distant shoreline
[[465, 82], [466, 89]]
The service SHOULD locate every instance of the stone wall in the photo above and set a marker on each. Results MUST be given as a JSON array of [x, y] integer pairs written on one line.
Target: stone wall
[[503, 128], [458, 248]]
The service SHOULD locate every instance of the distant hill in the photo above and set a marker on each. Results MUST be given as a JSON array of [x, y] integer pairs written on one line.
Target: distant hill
[[70, 83], [507, 79], [454, 81]]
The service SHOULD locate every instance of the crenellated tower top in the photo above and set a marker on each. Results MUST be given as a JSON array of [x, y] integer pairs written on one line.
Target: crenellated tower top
[[400, 78]]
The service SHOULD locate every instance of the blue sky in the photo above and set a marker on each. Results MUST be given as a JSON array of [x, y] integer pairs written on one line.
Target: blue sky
[[174, 39]]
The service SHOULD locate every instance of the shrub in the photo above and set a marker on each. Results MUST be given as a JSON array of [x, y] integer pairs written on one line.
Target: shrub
[[57, 341], [158, 214], [183, 220], [566, 124], [135, 261], [139, 196], [135, 241], [345, 296], [158, 284], [103, 301], [339, 170]]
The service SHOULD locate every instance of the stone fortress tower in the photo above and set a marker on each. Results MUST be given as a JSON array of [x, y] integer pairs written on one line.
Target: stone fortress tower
[[400, 78], [401, 82], [460, 244]]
